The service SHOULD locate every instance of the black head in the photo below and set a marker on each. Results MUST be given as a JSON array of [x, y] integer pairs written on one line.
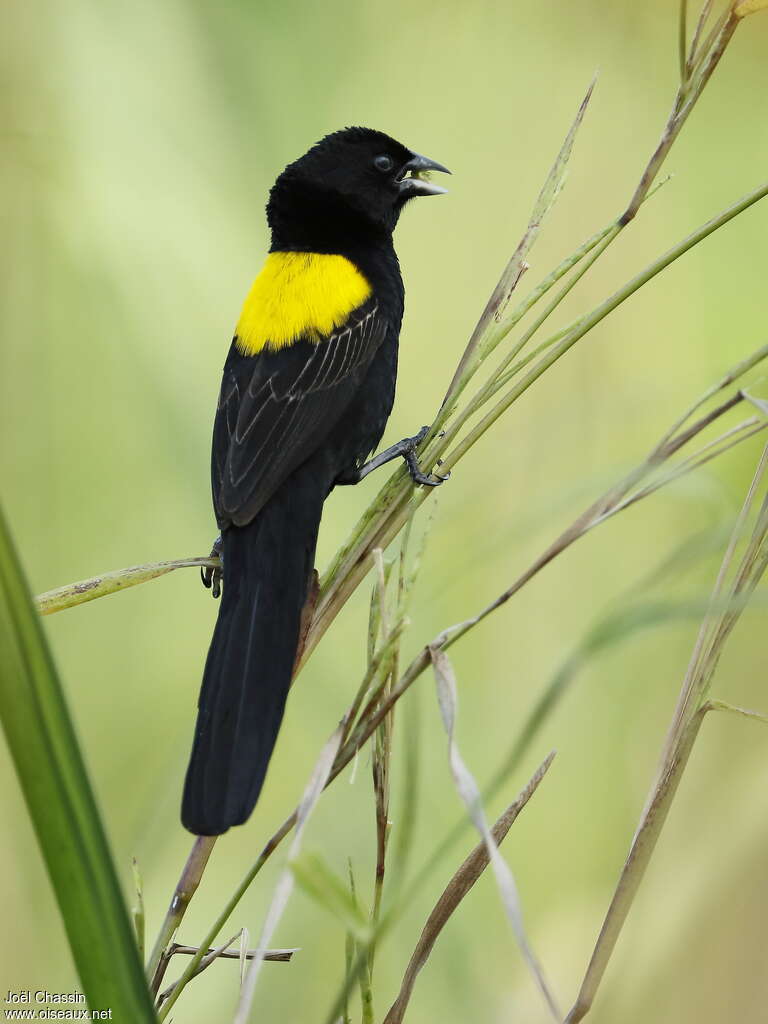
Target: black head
[[351, 184]]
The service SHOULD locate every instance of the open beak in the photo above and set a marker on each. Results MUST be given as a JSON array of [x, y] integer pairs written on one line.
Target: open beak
[[414, 177]]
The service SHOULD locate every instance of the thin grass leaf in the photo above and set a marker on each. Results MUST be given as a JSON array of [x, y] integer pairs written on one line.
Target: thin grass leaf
[[245, 941], [137, 911], [517, 265], [730, 377], [615, 629], [283, 889], [378, 616], [508, 369], [357, 968], [682, 40], [458, 887], [697, 76], [204, 962], [684, 728], [319, 882], [709, 636], [582, 259], [702, 20], [734, 709], [223, 952], [580, 327], [111, 583], [277, 956], [350, 949], [601, 635], [469, 792], [409, 793], [61, 805]]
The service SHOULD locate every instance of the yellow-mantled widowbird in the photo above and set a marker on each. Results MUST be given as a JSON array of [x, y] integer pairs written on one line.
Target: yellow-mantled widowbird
[[307, 389]]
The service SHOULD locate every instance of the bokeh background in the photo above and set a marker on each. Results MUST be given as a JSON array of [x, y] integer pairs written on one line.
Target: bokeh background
[[138, 144]]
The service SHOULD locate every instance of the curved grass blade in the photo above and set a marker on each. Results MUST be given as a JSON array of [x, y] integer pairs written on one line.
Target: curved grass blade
[[469, 792], [284, 887], [458, 887]]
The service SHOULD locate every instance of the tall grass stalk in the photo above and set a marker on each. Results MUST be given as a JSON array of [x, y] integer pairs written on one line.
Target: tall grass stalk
[[727, 602]]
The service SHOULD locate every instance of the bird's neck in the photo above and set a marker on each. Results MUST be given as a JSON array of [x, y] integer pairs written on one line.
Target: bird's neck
[[305, 220]]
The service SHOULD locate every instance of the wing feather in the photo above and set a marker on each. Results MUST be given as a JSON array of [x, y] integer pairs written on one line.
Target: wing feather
[[276, 408]]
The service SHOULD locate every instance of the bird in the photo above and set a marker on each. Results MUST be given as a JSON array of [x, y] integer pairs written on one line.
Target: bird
[[307, 388]]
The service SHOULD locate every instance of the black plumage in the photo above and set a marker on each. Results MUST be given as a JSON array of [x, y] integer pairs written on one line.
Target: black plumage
[[290, 424]]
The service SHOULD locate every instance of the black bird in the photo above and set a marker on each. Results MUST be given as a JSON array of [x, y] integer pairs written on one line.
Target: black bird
[[307, 389]]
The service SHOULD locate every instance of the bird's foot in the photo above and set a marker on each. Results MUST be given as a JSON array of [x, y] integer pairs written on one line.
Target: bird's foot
[[405, 449], [212, 575], [409, 446]]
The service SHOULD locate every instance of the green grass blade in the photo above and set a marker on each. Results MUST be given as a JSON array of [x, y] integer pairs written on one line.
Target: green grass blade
[[111, 582], [517, 265], [319, 882], [61, 805]]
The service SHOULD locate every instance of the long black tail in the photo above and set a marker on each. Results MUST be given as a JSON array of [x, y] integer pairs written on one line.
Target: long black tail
[[267, 566]]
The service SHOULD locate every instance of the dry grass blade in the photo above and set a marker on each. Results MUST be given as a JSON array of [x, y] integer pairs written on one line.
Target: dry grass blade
[[683, 39], [223, 952], [186, 887], [703, 16], [245, 940], [697, 71], [709, 638], [111, 582], [456, 890], [628, 491], [469, 792], [204, 962], [284, 887], [726, 605], [517, 264], [734, 709], [275, 956]]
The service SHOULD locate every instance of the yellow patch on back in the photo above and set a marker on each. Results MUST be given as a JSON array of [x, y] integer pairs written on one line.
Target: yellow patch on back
[[299, 295]]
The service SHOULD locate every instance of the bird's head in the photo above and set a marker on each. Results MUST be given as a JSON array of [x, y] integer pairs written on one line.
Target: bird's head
[[354, 177]]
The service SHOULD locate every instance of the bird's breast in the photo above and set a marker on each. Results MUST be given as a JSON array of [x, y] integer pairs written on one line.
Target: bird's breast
[[299, 295]]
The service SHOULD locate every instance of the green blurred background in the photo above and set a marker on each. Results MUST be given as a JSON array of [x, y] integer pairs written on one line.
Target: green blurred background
[[139, 141]]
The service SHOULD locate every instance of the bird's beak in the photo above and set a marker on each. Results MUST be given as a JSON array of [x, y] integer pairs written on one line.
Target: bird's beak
[[413, 179]]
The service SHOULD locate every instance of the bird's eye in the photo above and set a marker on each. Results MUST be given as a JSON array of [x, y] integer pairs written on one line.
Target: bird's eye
[[384, 163]]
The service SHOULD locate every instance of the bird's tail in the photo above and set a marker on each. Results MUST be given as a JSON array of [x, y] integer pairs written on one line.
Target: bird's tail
[[267, 568]]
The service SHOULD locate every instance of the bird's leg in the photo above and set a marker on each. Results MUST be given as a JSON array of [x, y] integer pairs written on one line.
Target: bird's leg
[[405, 449], [213, 575]]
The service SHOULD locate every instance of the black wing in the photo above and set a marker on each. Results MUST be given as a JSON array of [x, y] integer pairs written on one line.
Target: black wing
[[276, 408]]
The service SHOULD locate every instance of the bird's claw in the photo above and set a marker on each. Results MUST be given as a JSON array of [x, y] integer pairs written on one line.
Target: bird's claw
[[212, 575], [411, 461], [421, 478]]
